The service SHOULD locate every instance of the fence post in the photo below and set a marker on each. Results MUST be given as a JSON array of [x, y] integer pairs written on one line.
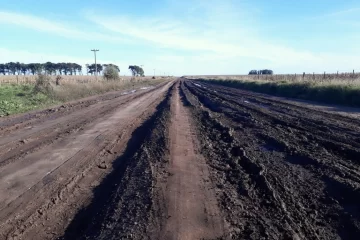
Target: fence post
[[354, 73], [303, 75], [324, 75]]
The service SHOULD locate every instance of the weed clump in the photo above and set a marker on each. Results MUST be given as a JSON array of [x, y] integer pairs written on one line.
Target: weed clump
[[111, 73], [43, 85]]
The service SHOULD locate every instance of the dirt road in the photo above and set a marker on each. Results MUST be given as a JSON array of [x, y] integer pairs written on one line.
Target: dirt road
[[184, 160]]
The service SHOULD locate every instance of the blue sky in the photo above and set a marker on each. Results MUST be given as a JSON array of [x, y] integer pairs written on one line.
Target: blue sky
[[186, 37]]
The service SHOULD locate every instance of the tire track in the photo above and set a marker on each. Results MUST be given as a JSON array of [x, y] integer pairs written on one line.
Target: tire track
[[273, 183]]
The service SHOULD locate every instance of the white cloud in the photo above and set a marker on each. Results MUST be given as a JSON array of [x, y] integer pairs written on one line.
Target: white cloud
[[208, 42], [211, 37], [218, 31], [8, 55], [53, 27]]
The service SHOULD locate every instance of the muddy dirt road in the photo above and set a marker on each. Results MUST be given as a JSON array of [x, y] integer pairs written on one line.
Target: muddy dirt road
[[184, 160]]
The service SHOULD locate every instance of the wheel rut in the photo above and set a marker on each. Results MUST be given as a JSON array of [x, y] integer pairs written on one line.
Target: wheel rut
[[192, 210]]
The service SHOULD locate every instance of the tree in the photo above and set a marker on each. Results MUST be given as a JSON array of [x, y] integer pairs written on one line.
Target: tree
[[136, 71], [266, 72], [77, 67], [18, 68], [91, 68], [35, 68], [111, 72], [66, 68], [59, 68], [50, 68], [3, 68], [11, 68], [115, 66], [261, 72], [24, 68]]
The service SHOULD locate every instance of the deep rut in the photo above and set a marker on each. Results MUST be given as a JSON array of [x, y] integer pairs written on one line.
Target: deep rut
[[192, 208]]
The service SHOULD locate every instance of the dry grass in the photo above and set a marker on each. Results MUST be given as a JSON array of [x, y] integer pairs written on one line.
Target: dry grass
[[341, 89], [72, 90], [314, 79], [31, 79]]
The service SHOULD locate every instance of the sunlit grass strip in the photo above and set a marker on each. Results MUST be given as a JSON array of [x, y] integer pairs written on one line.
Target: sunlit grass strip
[[334, 92]]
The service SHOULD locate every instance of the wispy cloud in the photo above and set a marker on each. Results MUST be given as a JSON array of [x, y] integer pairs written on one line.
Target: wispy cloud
[[212, 35], [219, 30], [53, 27], [222, 41]]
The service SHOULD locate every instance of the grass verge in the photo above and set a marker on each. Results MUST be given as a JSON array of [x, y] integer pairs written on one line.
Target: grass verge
[[332, 93], [22, 98]]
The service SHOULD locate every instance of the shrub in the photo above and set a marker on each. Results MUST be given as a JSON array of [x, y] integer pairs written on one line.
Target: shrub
[[43, 85], [111, 73]]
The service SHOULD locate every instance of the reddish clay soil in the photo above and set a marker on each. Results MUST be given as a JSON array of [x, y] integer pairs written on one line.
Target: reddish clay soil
[[183, 160]]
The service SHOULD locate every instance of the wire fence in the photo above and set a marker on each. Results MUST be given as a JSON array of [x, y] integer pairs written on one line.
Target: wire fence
[[345, 76]]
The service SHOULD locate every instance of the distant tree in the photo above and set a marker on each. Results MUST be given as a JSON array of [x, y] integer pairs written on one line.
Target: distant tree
[[67, 68], [261, 72], [115, 66], [59, 68], [136, 71], [38, 68], [24, 68], [34, 68], [50, 68], [92, 68], [11, 68], [71, 68], [111, 72], [266, 72], [77, 68], [18, 68], [3, 68]]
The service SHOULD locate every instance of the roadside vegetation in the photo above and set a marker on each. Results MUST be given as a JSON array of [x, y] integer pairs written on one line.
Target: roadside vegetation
[[330, 89], [51, 90]]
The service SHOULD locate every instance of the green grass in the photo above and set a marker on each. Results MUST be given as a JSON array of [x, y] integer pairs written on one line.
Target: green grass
[[330, 93], [21, 98]]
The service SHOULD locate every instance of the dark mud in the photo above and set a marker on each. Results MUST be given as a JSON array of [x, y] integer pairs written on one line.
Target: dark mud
[[281, 171], [124, 204]]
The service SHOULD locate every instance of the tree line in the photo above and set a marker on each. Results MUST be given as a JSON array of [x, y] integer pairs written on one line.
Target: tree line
[[261, 72], [17, 68]]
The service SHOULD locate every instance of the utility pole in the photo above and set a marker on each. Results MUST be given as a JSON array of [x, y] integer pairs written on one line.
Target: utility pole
[[96, 72]]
